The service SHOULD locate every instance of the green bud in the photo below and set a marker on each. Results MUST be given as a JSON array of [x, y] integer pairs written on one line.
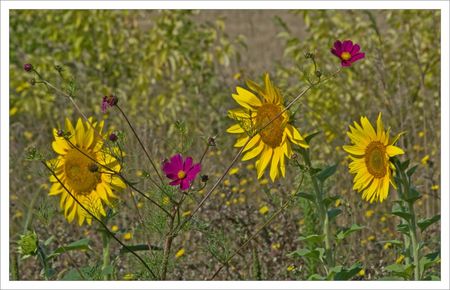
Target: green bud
[[28, 244]]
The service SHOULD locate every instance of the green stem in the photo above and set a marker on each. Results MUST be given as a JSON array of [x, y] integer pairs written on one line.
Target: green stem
[[167, 247], [414, 241], [106, 255], [322, 213]]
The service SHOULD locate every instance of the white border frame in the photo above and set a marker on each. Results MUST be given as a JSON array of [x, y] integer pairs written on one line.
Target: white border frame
[[445, 145]]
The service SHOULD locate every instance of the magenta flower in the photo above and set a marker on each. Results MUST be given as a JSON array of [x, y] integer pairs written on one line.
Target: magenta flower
[[181, 173], [347, 52], [108, 102]]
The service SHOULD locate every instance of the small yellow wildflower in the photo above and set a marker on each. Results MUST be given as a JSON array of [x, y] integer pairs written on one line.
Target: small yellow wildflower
[[400, 259], [140, 204], [362, 273], [435, 187], [139, 173], [223, 195], [363, 242], [13, 111], [186, 213], [242, 199], [421, 134], [275, 246], [18, 214], [290, 268], [226, 182], [114, 228], [127, 236], [337, 202], [235, 200], [264, 209], [165, 200], [237, 76], [234, 170], [383, 219], [301, 222], [264, 181], [387, 246], [180, 253], [425, 159], [243, 182], [28, 135], [128, 276], [369, 213], [235, 189], [227, 203], [371, 238], [250, 166]]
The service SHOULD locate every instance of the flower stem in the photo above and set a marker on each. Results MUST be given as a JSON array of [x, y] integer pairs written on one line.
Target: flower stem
[[106, 255], [167, 246], [414, 241]]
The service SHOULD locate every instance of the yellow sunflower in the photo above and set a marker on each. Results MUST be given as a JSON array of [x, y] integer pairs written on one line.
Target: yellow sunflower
[[271, 143], [370, 155], [91, 184]]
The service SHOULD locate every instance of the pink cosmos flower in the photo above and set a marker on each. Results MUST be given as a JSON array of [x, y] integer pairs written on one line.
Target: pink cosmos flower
[[181, 173], [347, 52]]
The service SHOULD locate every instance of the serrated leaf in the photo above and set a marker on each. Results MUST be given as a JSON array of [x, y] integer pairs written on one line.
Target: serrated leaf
[[413, 195], [425, 223], [428, 261], [344, 233], [307, 196], [403, 228], [311, 238], [411, 171], [347, 274], [326, 173], [334, 212], [311, 136], [82, 244], [405, 215]]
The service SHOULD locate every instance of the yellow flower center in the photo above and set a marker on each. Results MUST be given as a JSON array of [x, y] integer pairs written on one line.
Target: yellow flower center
[[79, 174], [376, 160], [272, 134], [181, 174], [346, 55]]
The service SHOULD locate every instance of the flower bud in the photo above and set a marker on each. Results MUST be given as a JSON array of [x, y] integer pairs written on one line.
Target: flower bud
[[28, 244], [318, 73], [204, 178], [113, 137], [28, 67], [211, 141]]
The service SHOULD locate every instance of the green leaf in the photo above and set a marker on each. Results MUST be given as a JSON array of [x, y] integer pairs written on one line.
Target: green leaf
[[403, 228], [411, 171], [334, 212], [428, 261], [347, 274], [425, 223], [310, 136], [413, 195], [315, 277], [327, 172], [108, 270], [398, 210], [82, 244], [307, 196], [344, 233], [329, 200], [311, 238], [401, 270], [316, 254]]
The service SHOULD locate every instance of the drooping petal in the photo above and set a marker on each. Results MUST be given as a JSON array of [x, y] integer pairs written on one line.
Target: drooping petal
[[358, 56], [254, 152], [277, 152], [235, 129], [392, 150], [264, 160], [185, 184]]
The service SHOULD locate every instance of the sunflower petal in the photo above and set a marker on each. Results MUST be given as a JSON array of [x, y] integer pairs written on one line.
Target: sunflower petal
[[264, 160]]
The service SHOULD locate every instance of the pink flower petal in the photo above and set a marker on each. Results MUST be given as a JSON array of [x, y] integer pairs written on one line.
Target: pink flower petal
[[346, 63], [192, 173], [176, 182], [338, 46], [172, 176], [185, 184], [187, 164], [169, 168], [334, 51], [355, 49], [177, 160], [347, 45], [357, 56]]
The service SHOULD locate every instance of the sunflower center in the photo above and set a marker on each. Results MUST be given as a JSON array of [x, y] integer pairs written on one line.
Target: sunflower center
[[272, 134], [375, 158], [79, 172], [181, 174], [346, 55]]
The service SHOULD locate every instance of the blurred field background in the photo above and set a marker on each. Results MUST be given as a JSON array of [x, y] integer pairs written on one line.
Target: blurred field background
[[178, 69]]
